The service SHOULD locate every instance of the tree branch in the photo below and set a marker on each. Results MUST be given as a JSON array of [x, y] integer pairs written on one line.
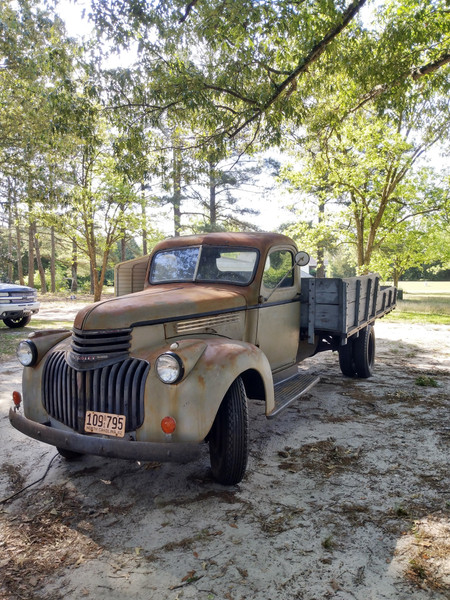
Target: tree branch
[[229, 91], [415, 74], [308, 60], [189, 7], [431, 67]]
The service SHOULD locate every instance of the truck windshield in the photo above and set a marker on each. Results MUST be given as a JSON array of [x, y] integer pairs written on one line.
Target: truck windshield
[[204, 263]]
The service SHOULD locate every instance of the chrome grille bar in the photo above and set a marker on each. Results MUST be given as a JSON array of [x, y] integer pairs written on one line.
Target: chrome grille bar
[[116, 389], [108, 341]]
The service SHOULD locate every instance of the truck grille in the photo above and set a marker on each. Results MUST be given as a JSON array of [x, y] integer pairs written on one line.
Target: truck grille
[[112, 342], [117, 389], [19, 298]]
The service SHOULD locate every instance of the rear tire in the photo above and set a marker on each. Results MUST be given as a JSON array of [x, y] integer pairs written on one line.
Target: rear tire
[[17, 322], [346, 360], [228, 438], [69, 454], [364, 352]]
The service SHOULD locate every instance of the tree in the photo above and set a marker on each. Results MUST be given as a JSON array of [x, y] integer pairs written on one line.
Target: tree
[[369, 166], [218, 187], [101, 208], [317, 227], [245, 66], [36, 60], [248, 59], [403, 250]]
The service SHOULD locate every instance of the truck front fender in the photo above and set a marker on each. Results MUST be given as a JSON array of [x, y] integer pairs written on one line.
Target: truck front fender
[[211, 366], [225, 361]]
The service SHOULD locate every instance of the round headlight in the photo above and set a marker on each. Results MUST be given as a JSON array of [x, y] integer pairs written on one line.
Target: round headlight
[[169, 367], [27, 353]]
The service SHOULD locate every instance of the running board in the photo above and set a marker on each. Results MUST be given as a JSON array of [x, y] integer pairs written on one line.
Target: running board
[[289, 390]]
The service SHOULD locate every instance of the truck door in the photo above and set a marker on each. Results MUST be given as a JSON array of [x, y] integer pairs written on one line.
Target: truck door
[[279, 312]]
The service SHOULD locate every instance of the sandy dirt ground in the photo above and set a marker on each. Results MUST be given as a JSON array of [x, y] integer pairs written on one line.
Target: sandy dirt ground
[[347, 496]]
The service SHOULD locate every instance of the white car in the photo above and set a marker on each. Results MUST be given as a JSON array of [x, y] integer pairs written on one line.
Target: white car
[[17, 304]]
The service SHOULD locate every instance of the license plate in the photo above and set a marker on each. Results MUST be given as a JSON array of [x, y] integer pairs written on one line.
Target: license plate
[[105, 423]]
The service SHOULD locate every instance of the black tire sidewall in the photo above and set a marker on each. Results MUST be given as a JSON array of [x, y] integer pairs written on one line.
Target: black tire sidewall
[[364, 352], [69, 454], [228, 438], [346, 358], [16, 323]]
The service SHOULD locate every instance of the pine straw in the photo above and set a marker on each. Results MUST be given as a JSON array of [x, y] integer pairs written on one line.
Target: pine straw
[[325, 457], [51, 533], [427, 549]]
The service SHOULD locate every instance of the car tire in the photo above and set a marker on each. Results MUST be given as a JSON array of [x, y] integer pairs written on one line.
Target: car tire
[[228, 438], [69, 454], [364, 352], [17, 322], [346, 359]]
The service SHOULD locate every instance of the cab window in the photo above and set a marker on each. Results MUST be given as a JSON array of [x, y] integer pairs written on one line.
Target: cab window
[[279, 264]]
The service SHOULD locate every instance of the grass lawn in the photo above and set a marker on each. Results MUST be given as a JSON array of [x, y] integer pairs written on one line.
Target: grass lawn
[[9, 338], [424, 302]]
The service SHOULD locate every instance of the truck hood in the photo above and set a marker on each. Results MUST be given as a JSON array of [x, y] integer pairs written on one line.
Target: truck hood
[[157, 304], [12, 287]]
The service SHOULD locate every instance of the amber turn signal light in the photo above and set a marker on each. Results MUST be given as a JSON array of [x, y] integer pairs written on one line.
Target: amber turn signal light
[[17, 398], [168, 424]]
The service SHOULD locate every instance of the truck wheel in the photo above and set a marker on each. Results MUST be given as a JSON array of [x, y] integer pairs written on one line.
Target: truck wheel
[[17, 322], [228, 438], [346, 360], [69, 454], [364, 352]]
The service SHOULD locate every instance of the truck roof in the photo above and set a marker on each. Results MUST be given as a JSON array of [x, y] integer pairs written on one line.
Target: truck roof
[[259, 240]]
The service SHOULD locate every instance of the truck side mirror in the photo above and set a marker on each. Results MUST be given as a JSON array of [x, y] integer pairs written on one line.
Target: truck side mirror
[[302, 259]]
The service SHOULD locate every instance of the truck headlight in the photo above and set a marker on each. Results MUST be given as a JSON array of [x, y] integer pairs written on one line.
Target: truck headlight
[[169, 367], [27, 353]]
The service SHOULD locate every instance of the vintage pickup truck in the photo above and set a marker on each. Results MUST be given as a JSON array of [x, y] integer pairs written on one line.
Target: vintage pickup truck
[[197, 328]]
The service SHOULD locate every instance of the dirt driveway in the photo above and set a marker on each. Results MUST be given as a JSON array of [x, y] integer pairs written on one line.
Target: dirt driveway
[[347, 496]]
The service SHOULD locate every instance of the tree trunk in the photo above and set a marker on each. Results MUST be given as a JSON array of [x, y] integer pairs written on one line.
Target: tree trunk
[[19, 247], [31, 234], [97, 288], [74, 266], [40, 265], [100, 281], [320, 272], [396, 277], [10, 273], [123, 247], [212, 197], [52, 261], [177, 191], [144, 224], [92, 251], [359, 240], [93, 271]]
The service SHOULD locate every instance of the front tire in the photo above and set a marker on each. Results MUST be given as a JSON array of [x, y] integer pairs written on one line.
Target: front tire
[[17, 322], [69, 454], [228, 438]]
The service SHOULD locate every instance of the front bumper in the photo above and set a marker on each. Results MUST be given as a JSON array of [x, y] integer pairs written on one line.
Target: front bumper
[[112, 448], [16, 311]]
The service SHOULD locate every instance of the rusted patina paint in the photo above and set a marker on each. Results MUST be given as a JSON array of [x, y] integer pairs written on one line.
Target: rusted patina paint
[[158, 303], [211, 366], [262, 242], [258, 240]]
